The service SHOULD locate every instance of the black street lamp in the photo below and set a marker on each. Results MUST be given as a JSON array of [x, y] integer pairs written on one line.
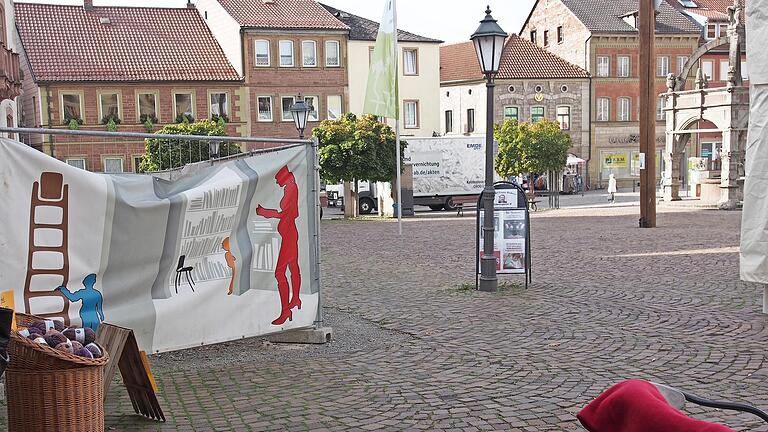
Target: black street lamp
[[489, 43], [300, 112]]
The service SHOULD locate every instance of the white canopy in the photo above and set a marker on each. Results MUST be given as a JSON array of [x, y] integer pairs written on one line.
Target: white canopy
[[754, 227], [574, 160]]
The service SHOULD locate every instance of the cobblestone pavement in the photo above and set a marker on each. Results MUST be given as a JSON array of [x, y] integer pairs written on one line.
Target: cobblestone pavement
[[608, 302]]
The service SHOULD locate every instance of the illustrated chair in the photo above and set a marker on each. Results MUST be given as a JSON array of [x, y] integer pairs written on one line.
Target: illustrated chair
[[651, 407], [186, 271]]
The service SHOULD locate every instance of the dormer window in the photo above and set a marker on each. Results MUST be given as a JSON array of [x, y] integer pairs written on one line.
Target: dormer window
[[631, 19], [687, 3]]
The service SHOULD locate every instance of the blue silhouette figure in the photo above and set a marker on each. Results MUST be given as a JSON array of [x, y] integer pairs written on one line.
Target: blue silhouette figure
[[91, 312]]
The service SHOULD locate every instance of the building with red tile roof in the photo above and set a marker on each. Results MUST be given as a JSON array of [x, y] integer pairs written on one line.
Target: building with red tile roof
[[10, 69], [602, 38], [139, 67], [283, 49], [532, 84]]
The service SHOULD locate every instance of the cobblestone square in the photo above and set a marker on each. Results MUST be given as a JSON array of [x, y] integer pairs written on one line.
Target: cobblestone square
[[415, 349]]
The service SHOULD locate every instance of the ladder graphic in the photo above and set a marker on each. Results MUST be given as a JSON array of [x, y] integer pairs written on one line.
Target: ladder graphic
[[51, 192]]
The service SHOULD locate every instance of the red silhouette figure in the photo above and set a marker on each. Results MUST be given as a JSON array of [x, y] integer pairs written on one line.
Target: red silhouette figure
[[289, 248]]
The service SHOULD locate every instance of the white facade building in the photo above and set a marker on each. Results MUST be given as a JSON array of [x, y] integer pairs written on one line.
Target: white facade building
[[419, 74]]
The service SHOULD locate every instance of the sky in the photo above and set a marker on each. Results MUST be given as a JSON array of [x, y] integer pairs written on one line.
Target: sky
[[447, 20]]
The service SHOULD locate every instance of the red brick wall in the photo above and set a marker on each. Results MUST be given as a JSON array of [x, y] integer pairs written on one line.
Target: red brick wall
[[278, 82], [95, 149]]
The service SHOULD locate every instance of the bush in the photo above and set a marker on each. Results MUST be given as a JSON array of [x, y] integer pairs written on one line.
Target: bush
[[163, 154]]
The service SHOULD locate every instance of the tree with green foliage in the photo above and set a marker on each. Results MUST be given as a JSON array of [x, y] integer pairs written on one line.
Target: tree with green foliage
[[357, 148], [528, 148], [162, 154]]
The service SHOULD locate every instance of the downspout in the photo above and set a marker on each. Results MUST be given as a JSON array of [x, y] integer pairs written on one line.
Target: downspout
[[586, 67]]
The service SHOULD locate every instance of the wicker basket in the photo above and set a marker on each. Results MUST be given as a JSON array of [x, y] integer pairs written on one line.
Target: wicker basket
[[68, 400], [29, 355]]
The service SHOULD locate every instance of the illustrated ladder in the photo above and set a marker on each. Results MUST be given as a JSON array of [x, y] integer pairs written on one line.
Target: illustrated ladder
[[48, 192]]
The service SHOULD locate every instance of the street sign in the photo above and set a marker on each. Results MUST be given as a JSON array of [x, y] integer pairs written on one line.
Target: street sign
[[512, 235]]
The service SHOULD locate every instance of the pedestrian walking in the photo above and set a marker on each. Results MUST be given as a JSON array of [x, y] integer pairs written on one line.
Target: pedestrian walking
[[612, 188]]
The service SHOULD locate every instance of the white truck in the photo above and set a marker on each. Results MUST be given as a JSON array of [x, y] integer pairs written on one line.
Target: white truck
[[445, 168]]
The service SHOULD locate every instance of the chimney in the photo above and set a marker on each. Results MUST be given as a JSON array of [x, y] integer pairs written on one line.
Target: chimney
[[88, 5], [190, 5]]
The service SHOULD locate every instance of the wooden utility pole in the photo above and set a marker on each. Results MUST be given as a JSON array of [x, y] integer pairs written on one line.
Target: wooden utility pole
[[647, 29]]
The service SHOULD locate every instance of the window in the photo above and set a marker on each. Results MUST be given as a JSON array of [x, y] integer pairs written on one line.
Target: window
[[448, 121], [411, 114], [332, 54], [511, 89], [137, 163], [410, 61], [314, 105], [681, 62], [76, 162], [662, 66], [538, 89], [625, 109], [708, 68], [470, 120], [623, 66], [564, 117], [286, 53], [309, 54], [334, 107], [71, 107], [714, 30], [724, 66], [147, 107], [533, 37], [265, 108], [109, 107], [564, 88], [286, 102], [370, 55], [183, 104], [744, 71], [262, 53], [537, 114], [603, 66], [113, 164], [560, 34], [660, 108], [512, 113], [603, 109], [546, 37], [219, 106]]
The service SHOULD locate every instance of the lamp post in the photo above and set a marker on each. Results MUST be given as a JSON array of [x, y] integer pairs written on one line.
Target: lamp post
[[300, 112], [647, 31], [489, 43]]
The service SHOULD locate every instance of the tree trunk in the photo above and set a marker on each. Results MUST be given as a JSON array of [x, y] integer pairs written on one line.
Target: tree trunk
[[356, 211], [349, 200]]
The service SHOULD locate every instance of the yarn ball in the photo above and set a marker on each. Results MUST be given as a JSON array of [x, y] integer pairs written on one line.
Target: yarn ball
[[76, 345], [53, 338], [84, 352], [66, 347], [41, 341], [82, 335], [35, 330], [94, 349], [45, 325]]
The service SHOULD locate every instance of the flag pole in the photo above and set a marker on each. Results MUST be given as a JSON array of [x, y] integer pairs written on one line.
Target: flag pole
[[397, 124]]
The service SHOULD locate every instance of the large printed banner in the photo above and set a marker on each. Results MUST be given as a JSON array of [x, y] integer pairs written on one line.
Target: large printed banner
[[224, 253]]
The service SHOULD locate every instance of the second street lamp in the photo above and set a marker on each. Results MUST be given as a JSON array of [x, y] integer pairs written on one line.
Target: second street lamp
[[489, 41], [300, 112]]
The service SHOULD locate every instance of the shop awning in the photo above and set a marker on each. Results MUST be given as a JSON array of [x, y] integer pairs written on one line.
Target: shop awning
[[574, 160]]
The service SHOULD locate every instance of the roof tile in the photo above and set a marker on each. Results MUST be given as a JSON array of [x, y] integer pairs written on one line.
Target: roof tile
[[67, 43], [606, 16], [282, 14], [521, 59], [364, 29]]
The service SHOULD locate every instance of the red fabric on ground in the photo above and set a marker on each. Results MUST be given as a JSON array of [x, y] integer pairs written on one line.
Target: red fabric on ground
[[637, 406]]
